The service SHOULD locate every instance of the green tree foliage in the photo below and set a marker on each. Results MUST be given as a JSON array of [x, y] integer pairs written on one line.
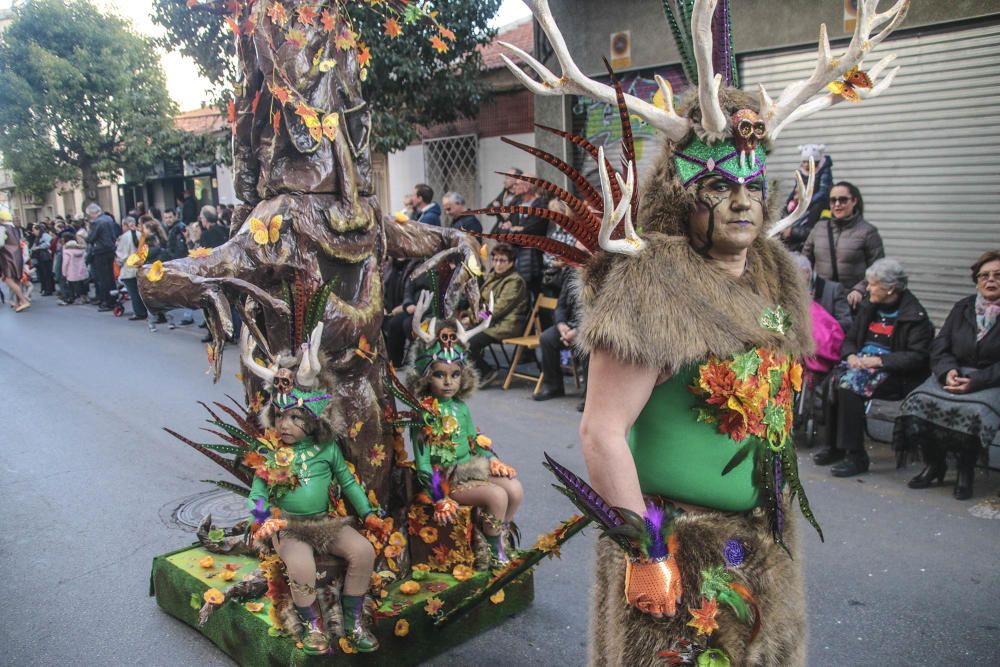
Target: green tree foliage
[[409, 83], [82, 96]]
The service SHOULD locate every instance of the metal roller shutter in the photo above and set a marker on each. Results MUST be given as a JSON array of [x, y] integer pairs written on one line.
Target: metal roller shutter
[[925, 154]]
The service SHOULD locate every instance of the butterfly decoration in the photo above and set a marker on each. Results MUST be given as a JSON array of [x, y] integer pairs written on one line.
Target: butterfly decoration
[[365, 351], [266, 233], [331, 122], [853, 78]]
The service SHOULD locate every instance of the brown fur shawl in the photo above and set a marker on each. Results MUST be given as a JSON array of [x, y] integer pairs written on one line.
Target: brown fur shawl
[[669, 306]]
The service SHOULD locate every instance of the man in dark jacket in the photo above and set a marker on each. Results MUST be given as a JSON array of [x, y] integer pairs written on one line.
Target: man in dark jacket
[[176, 243], [101, 244], [213, 234], [454, 206], [560, 336], [428, 209]]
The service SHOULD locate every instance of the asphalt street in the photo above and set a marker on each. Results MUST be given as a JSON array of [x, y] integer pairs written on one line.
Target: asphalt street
[[904, 578]]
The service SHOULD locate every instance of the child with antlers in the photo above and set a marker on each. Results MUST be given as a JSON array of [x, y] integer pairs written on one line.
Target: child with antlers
[[295, 474], [454, 462]]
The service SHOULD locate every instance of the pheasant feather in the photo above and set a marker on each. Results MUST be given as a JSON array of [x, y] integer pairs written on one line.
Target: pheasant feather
[[590, 194], [571, 254], [579, 208]]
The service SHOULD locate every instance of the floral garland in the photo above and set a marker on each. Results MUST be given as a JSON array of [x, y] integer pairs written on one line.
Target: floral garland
[[272, 462], [753, 394], [750, 394]]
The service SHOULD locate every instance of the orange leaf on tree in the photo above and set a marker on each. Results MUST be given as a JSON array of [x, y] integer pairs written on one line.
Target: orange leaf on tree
[[233, 25], [307, 15], [447, 34], [439, 44], [296, 37], [280, 93], [306, 111], [364, 56], [277, 13], [329, 21], [277, 120], [346, 40], [256, 101], [392, 28]]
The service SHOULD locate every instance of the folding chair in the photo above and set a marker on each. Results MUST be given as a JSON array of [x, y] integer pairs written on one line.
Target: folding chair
[[529, 341]]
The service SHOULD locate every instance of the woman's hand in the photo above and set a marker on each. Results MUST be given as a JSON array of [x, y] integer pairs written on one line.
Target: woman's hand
[[445, 511], [871, 362], [653, 588], [854, 298], [956, 384], [854, 361], [500, 469]]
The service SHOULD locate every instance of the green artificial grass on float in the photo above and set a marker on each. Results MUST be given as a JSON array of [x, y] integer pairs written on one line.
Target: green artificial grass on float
[[178, 582]]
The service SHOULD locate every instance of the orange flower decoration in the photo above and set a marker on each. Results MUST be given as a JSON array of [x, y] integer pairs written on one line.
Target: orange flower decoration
[[376, 455], [346, 646], [409, 588], [228, 575], [498, 597], [462, 572], [200, 252], [433, 606], [155, 272], [420, 571], [207, 562], [214, 596], [254, 607], [704, 617], [402, 628], [284, 457], [428, 534]]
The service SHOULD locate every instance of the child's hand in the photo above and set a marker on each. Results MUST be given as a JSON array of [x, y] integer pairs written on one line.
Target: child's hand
[[445, 511], [500, 469], [268, 529]]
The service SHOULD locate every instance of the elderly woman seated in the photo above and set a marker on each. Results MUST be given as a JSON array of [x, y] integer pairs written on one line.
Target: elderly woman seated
[[958, 407], [885, 355]]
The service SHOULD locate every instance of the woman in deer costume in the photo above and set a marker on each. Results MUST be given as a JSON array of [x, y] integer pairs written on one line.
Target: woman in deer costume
[[694, 328], [454, 462]]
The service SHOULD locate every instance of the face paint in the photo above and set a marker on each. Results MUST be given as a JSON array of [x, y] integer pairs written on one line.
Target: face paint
[[445, 380], [728, 216]]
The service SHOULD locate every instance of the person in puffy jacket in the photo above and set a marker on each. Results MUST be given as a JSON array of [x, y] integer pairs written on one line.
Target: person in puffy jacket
[[842, 248]]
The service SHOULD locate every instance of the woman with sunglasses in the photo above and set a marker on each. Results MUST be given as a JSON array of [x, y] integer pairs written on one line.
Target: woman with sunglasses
[[842, 247], [958, 408]]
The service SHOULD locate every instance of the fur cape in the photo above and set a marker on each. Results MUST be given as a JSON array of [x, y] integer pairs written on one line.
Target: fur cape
[[622, 636]]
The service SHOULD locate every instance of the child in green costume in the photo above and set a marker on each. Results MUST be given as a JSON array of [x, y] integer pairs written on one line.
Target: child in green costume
[[295, 474], [455, 462]]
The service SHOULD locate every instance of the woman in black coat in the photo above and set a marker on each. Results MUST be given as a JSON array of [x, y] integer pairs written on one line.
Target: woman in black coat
[[885, 355], [958, 407]]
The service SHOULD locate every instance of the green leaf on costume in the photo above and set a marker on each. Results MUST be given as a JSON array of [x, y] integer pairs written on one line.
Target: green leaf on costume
[[774, 378], [776, 319], [713, 657], [706, 416], [196, 601], [774, 417], [216, 534], [715, 580], [745, 365]]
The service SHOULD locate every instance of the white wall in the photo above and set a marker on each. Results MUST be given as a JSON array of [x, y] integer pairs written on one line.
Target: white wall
[[494, 156], [406, 169], [227, 190]]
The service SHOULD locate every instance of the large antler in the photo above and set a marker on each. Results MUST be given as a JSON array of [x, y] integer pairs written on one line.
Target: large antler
[[805, 193], [247, 346], [631, 244], [309, 367], [464, 335], [713, 119], [423, 303], [792, 102], [574, 82]]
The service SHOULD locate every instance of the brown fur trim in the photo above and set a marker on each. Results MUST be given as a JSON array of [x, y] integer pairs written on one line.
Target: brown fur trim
[[623, 636], [317, 533], [476, 469], [669, 306]]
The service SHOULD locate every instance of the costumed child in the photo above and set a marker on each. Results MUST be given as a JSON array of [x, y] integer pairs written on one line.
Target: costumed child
[[300, 476], [453, 461]]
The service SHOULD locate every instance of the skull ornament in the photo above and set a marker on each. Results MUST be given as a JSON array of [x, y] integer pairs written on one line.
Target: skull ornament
[[283, 381], [447, 337], [748, 131]]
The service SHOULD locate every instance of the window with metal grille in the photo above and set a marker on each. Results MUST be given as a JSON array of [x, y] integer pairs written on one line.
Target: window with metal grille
[[452, 164]]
